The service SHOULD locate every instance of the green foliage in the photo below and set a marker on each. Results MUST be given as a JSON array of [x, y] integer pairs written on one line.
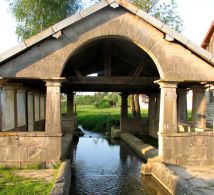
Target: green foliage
[[166, 12], [102, 104], [113, 99], [12, 184], [33, 16], [100, 120]]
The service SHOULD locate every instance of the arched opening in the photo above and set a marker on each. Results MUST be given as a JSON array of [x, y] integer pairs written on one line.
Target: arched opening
[[114, 64]]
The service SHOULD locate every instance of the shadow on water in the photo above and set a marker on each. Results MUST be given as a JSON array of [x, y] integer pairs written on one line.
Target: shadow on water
[[104, 166]]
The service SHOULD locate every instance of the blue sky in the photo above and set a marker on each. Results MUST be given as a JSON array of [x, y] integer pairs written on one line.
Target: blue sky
[[197, 16]]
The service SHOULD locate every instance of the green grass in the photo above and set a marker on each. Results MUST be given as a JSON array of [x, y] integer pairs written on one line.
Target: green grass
[[100, 119], [11, 184]]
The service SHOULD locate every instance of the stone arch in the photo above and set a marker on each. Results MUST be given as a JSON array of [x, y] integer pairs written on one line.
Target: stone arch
[[81, 45]]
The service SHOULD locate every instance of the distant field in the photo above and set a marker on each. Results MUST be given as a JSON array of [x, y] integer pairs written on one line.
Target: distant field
[[99, 119]]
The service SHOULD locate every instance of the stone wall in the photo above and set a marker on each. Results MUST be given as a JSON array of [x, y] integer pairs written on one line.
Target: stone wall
[[17, 149], [192, 149], [136, 127]]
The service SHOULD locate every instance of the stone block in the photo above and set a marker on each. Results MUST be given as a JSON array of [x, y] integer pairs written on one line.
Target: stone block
[[110, 1], [212, 60], [66, 22], [12, 51], [115, 133], [180, 38], [2, 153], [15, 153], [154, 22], [128, 6], [93, 9], [199, 50], [8, 141], [39, 37]]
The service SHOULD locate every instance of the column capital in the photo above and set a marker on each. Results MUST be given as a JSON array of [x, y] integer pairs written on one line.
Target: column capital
[[54, 82], [167, 84], [11, 86]]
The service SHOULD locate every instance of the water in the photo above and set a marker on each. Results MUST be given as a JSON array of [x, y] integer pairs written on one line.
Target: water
[[108, 167]]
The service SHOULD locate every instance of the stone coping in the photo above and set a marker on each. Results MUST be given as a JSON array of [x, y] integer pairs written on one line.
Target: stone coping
[[29, 134], [189, 134], [63, 180]]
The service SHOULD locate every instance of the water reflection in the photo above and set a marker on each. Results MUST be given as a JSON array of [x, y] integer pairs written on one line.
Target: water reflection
[[104, 166]]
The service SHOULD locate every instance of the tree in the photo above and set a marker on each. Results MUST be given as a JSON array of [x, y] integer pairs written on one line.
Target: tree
[[166, 12], [33, 16]]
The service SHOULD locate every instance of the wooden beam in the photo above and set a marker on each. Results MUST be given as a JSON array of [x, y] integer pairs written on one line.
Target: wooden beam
[[107, 57], [137, 72], [112, 80], [78, 73]]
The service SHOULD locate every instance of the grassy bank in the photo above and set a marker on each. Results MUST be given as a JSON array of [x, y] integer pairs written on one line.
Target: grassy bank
[[99, 119], [11, 183]]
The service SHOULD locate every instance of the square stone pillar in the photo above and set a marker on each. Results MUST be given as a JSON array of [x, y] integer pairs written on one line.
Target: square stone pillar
[[30, 110], [182, 105], [198, 108], [42, 106], [70, 105], [21, 110], [152, 115], [9, 106], [53, 106], [168, 111], [36, 106], [124, 109]]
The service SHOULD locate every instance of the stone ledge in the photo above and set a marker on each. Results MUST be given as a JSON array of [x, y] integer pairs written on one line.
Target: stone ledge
[[188, 134], [63, 181], [183, 180], [143, 150], [29, 134]]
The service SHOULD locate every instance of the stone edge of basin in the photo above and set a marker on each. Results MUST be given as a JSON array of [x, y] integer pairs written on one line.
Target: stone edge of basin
[[63, 180], [174, 184], [145, 151]]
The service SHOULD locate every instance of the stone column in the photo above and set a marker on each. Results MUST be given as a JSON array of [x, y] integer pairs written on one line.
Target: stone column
[[53, 106], [8, 107], [41, 112], [123, 111], [198, 108], [30, 110], [70, 105], [168, 111], [124, 107], [157, 110], [21, 110], [36, 110], [152, 113], [182, 105], [42, 106]]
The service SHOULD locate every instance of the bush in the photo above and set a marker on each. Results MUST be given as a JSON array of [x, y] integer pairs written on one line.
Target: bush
[[102, 104]]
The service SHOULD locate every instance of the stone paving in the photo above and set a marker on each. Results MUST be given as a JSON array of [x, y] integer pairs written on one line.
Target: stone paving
[[195, 180]]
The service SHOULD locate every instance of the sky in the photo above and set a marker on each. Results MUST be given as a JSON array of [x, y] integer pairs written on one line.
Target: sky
[[196, 14]]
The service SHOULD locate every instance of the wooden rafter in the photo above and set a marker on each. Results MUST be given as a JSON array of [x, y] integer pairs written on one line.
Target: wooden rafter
[[107, 57]]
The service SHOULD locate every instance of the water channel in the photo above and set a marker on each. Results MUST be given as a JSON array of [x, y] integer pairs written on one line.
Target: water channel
[[104, 166]]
